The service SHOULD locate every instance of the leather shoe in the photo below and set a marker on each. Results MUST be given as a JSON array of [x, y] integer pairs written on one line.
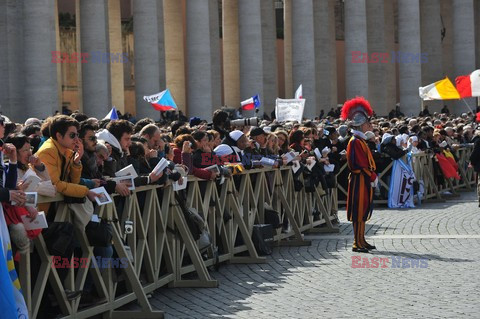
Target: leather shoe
[[72, 295], [371, 247], [360, 250]]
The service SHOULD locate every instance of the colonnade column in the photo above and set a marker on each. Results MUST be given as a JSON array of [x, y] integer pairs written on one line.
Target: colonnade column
[[231, 64]]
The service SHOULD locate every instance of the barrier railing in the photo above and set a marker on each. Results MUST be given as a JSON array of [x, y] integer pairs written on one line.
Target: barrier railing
[[422, 165], [161, 251]]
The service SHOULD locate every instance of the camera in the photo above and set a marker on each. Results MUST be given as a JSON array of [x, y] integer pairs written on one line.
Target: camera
[[128, 227], [252, 121]]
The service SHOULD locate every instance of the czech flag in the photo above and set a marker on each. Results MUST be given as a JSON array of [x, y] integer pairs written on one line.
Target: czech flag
[[468, 85], [162, 101], [251, 103], [112, 115], [440, 90]]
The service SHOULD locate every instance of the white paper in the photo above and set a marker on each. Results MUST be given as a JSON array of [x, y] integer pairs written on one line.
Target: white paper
[[317, 153], [329, 168], [128, 180], [31, 199], [32, 178], [295, 166], [177, 186], [289, 109], [160, 166], [213, 168], [39, 222], [104, 199], [290, 156], [311, 165], [95, 218], [128, 170], [267, 161]]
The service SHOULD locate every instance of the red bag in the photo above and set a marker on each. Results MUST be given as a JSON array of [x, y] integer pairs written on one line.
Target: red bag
[[13, 215]]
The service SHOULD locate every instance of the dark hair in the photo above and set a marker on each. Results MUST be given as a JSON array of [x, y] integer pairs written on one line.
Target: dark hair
[[183, 130], [219, 117], [30, 129], [141, 124], [136, 150], [175, 126], [179, 140], [198, 135], [18, 140], [84, 127], [46, 126], [9, 128], [60, 124], [136, 138], [80, 117], [119, 127], [296, 137], [103, 123]]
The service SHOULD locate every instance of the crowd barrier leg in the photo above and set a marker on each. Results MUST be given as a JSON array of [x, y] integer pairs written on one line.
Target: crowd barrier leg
[[325, 211]]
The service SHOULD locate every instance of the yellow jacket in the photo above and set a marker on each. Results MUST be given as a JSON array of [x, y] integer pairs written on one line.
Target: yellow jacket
[[51, 154]]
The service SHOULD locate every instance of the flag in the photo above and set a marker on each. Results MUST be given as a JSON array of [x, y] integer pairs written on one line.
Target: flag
[[112, 115], [400, 194], [162, 101], [299, 92], [251, 103], [468, 85], [12, 285], [7, 299], [440, 90]]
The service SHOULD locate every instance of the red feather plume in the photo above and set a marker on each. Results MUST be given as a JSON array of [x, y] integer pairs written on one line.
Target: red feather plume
[[359, 100], [478, 117]]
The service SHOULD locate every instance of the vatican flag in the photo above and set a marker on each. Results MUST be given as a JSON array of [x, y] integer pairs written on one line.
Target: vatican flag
[[440, 90]]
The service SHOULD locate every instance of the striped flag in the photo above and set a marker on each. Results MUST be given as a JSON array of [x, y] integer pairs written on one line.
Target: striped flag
[[468, 85], [112, 115], [251, 103], [162, 101], [12, 286], [440, 90]]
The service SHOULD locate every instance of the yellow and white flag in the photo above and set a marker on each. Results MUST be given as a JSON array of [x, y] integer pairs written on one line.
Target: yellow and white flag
[[440, 90]]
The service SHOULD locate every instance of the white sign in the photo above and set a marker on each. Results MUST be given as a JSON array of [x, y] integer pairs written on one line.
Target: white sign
[[289, 110]]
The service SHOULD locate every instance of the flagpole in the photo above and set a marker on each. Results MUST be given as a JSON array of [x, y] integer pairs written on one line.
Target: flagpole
[[468, 106]]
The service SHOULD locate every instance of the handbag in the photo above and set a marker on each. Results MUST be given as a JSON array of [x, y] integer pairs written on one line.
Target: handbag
[[59, 239], [99, 234]]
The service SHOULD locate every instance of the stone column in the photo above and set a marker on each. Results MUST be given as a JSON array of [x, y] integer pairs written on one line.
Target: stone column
[[118, 58], [477, 35], [381, 72], [161, 45], [287, 48], [356, 73], [431, 26], [4, 103], [231, 59], [78, 48], [325, 56], [203, 54], [410, 73], [303, 54], [269, 50], [463, 44], [147, 81], [40, 74], [174, 51], [96, 72]]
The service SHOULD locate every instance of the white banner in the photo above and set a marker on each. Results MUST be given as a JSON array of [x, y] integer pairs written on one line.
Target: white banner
[[289, 110], [400, 194]]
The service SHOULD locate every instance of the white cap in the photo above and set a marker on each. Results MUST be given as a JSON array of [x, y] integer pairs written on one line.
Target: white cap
[[235, 135], [223, 149], [386, 138]]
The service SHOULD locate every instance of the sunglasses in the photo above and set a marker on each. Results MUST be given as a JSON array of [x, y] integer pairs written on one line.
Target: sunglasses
[[92, 138], [73, 135]]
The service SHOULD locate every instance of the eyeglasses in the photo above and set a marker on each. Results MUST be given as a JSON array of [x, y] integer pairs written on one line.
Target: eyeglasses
[[73, 135], [92, 138]]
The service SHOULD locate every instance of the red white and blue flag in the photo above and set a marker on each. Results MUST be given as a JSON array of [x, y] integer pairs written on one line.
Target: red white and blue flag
[[299, 92], [112, 115], [162, 101], [251, 103]]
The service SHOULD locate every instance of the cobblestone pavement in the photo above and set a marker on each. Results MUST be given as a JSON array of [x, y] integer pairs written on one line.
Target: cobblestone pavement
[[319, 282]]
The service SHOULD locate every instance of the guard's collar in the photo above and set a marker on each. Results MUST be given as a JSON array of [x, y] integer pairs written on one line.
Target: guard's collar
[[359, 134]]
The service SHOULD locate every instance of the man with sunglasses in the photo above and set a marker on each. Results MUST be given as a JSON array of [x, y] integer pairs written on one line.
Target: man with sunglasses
[[62, 154]]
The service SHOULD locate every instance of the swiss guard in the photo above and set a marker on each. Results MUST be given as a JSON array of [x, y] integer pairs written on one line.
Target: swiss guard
[[362, 179]]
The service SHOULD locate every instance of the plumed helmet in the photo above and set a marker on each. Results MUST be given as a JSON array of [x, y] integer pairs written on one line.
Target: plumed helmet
[[357, 110]]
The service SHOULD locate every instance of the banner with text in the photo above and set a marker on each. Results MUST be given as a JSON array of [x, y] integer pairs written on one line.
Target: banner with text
[[289, 109]]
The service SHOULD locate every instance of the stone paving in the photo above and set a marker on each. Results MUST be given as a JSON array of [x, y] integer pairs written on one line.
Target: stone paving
[[319, 281]]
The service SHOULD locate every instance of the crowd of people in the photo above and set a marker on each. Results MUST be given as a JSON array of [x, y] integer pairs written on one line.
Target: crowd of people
[[73, 154]]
